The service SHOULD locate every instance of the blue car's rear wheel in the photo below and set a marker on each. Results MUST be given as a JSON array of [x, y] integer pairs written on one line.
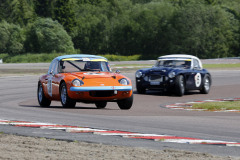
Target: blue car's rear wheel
[[206, 84], [42, 100]]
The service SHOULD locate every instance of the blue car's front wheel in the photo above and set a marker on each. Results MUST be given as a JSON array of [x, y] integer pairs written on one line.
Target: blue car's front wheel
[[140, 89], [180, 85]]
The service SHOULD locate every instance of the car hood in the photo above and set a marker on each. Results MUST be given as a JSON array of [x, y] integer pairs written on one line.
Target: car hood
[[163, 70], [98, 78], [91, 75]]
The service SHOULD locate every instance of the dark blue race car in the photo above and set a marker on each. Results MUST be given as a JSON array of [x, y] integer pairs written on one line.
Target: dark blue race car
[[176, 74]]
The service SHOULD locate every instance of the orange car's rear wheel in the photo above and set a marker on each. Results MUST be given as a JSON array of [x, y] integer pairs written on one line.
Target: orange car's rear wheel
[[100, 105], [42, 100], [66, 101], [125, 103]]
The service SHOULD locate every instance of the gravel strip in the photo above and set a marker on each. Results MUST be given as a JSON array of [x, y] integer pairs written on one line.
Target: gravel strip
[[20, 147]]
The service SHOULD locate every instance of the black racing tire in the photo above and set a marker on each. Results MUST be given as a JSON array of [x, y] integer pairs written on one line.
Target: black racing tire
[[42, 100], [100, 105], [66, 101], [180, 85], [206, 84], [125, 104], [140, 89]]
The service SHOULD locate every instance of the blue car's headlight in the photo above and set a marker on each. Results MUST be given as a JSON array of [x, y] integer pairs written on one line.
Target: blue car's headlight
[[171, 74], [138, 74], [123, 81], [77, 82]]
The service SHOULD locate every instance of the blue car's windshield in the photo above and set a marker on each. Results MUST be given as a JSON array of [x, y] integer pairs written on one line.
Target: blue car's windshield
[[180, 63]]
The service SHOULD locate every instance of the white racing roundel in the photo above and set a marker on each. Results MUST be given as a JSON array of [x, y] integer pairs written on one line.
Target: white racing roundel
[[198, 79]]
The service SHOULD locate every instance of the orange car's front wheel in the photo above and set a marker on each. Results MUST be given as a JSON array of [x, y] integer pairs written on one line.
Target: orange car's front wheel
[[66, 101], [100, 105], [125, 103]]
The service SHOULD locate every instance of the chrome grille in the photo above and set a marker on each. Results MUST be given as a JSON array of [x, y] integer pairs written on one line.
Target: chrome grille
[[157, 78]]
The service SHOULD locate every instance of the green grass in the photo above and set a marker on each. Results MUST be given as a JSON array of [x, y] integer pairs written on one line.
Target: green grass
[[44, 57], [134, 65], [29, 58], [111, 57], [217, 106], [212, 66]]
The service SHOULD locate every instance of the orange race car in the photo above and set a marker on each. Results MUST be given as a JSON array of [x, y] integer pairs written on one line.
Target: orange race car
[[84, 78]]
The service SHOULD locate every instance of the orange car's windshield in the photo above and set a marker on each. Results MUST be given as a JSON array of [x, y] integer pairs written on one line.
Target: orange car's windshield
[[83, 66]]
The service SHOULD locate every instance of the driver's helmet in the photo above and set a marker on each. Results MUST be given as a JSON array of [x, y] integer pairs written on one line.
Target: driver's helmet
[[168, 63], [92, 65]]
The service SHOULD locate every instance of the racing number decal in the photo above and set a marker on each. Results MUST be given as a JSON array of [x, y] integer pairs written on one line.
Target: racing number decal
[[49, 86], [197, 79]]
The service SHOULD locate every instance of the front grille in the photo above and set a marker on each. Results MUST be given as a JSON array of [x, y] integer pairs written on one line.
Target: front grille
[[101, 93], [158, 78]]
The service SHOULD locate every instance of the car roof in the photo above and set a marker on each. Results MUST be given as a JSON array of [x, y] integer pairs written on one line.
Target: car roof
[[80, 56], [179, 56], [182, 56]]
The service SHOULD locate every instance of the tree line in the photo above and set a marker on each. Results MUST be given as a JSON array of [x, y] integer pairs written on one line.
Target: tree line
[[150, 28]]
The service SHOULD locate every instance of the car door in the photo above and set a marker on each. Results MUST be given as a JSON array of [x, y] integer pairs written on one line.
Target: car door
[[55, 81], [50, 78], [195, 76]]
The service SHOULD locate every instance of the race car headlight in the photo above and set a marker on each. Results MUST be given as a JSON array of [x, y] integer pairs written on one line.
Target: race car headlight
[[171, 74], [138, 74], [123, 81], [77, 82]]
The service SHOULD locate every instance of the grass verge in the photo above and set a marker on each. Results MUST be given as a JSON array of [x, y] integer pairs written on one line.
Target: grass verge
[[218, 106], [216, 66], [44, 57]]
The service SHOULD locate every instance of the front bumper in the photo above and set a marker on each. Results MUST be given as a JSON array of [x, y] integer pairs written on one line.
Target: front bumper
[[101, 88], [163, 85], [100, 93]]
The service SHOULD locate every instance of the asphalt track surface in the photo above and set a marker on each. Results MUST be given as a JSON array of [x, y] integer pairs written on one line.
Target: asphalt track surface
[[148, 115]]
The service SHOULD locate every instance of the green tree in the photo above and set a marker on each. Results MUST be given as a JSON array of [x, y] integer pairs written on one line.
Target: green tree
[[45, 8], [46, 35], [204, 31], [12, 38], [233, 8], [22, 12], [65, 14], [145, 31], [90, 34]]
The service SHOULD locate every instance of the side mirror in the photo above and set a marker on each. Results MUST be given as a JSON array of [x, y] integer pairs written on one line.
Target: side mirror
[[117, 71], [196, 68], [51, 72]]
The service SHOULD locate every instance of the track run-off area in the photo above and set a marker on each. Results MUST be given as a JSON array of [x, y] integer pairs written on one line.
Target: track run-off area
[[149, 123]]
